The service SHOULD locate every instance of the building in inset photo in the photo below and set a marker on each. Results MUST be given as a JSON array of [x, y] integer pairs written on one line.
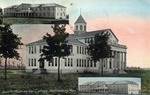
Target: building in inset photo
[[79, 59], [26, 10], [110, 85]]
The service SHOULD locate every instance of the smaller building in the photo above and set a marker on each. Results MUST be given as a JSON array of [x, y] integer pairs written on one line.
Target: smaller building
[[89, 87], [51, 10], [124, 87], [119, 87]]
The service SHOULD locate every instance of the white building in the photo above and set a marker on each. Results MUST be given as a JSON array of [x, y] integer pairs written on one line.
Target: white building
[[51, 10], [79, 60], [124, 87], [90, 87], [119, 87]]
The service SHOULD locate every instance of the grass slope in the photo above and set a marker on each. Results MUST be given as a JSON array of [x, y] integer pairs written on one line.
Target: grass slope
[[20, 83]]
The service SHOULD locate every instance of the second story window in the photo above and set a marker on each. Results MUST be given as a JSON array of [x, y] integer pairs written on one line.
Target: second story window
[[29, 50], [35, 49], [77, 49]]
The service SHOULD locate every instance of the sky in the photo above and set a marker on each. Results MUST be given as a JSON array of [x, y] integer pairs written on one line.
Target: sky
[[128, 19]]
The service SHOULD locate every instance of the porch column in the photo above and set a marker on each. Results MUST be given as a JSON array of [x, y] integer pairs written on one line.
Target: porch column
[[122, 65], [125, 60], [115, 60], [119, 60], [112, 63]]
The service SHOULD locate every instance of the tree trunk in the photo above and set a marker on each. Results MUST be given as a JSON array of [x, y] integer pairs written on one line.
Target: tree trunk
[[102, 69], [58, 69], [5, 69]]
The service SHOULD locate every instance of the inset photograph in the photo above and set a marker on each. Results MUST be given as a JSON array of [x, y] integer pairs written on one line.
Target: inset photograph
[[28, 13], [109, 86]]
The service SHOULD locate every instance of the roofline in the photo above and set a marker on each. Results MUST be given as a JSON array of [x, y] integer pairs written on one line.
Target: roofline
[[37, 4], [104, 30]]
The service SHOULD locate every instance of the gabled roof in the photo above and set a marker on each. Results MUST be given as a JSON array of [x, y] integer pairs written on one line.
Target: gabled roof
[[47, 5], [80, 20], [92, 33], [37, 5], [36, 42], [71, 39]]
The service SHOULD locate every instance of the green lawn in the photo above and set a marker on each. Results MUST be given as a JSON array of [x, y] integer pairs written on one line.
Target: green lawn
[[20, 83]]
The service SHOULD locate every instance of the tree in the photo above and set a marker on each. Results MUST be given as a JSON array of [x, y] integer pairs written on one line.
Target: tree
[[56, 46], [9, 43], [99, 48]]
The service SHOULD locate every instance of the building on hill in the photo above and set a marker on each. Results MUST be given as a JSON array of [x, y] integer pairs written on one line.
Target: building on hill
[[118, 87], [51, 10], [79, 60]]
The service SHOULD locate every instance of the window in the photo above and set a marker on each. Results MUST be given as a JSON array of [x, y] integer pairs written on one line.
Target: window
[[91, 63], [80, 49], [71, 62], [77, 49], [55, 61], [29, 62], [76, 27], [82, 63], [94, 64], [68, 62], [29, 50], [34, 62], [32, 50], [86, 40], [35, 49], [40, 49], [65, 61], [77, 62], [84, 28], [81, 28]]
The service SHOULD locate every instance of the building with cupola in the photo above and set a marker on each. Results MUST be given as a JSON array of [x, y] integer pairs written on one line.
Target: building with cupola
[[78, 61]]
